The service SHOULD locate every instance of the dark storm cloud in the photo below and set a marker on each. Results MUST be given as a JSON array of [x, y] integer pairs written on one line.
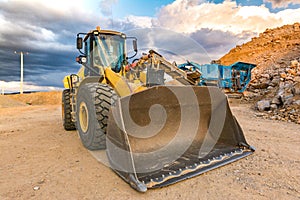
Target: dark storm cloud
[[34, 16], [217, 42], [200, 46], [37, 65], [48, 35], [170, 44]]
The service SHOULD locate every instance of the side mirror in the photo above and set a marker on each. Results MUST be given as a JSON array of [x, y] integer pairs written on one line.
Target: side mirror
[[134, 43], [79, 43]]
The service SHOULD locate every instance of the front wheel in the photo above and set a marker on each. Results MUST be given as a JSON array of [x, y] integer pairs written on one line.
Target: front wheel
[[93, 104]]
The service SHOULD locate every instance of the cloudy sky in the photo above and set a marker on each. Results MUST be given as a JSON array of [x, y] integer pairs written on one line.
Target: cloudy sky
[[198, 30]]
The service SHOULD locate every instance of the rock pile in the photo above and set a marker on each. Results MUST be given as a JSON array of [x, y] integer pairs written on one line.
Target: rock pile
[[275, 84], [281, 93]]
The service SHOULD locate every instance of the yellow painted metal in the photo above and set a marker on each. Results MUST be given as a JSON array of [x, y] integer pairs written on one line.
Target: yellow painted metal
[[104, 32], [66, 82], [139, 88], [118, 82], [143, 77], [67, 79], [121, 85], [80, 73], [83, 117]]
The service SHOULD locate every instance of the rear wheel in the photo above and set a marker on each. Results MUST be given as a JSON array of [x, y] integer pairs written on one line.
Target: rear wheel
[[93, 104], [66, 111]]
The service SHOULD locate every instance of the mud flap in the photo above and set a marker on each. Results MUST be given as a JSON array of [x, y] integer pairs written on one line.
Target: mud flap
[[169, 133]]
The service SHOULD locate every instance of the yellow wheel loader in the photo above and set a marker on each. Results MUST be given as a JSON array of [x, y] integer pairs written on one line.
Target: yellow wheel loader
[[155, 123]]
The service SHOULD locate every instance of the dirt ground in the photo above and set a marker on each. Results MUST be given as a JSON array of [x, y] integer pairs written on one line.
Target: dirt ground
[[40, 160]]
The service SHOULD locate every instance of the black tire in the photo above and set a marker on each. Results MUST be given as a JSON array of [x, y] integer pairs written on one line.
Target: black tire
[[93, 104], [66, 111]]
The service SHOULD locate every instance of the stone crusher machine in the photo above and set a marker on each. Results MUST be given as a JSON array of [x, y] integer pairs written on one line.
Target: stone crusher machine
[[156, 126], [232, 79]]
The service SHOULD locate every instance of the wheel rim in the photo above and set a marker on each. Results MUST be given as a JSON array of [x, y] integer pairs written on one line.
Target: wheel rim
[[83, 117]]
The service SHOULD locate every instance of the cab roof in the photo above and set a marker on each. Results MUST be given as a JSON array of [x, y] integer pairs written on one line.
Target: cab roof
[[100, 31]]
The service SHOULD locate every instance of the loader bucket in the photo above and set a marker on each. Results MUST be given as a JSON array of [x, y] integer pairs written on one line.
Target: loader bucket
[[165, 134]]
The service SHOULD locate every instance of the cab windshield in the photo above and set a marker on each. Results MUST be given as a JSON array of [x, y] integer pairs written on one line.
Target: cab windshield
[[109, 51]]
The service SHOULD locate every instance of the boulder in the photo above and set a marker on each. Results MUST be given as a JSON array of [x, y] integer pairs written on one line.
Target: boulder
[[297, 79], [263, 105], [294, 64], [283, 75], [266, 76], [297, 102], [273, 107], [292, 72], [276, 100], [287, 99], [296, 89], [260, 85]]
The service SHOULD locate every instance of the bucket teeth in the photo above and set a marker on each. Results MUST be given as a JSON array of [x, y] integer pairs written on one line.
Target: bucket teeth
[[239, 151]]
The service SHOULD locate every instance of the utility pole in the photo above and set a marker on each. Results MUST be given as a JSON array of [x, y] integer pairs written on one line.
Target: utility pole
[[2, 88], [22, 69]]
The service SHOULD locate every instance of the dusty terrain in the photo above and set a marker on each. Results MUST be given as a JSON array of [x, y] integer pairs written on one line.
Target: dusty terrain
[[40, 160]]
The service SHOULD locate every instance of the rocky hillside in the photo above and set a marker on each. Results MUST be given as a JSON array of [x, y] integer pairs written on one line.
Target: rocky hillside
[[272, 46], [275, 85]]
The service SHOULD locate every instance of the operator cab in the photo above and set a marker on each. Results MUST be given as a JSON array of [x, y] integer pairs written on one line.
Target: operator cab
[[103, 48]]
